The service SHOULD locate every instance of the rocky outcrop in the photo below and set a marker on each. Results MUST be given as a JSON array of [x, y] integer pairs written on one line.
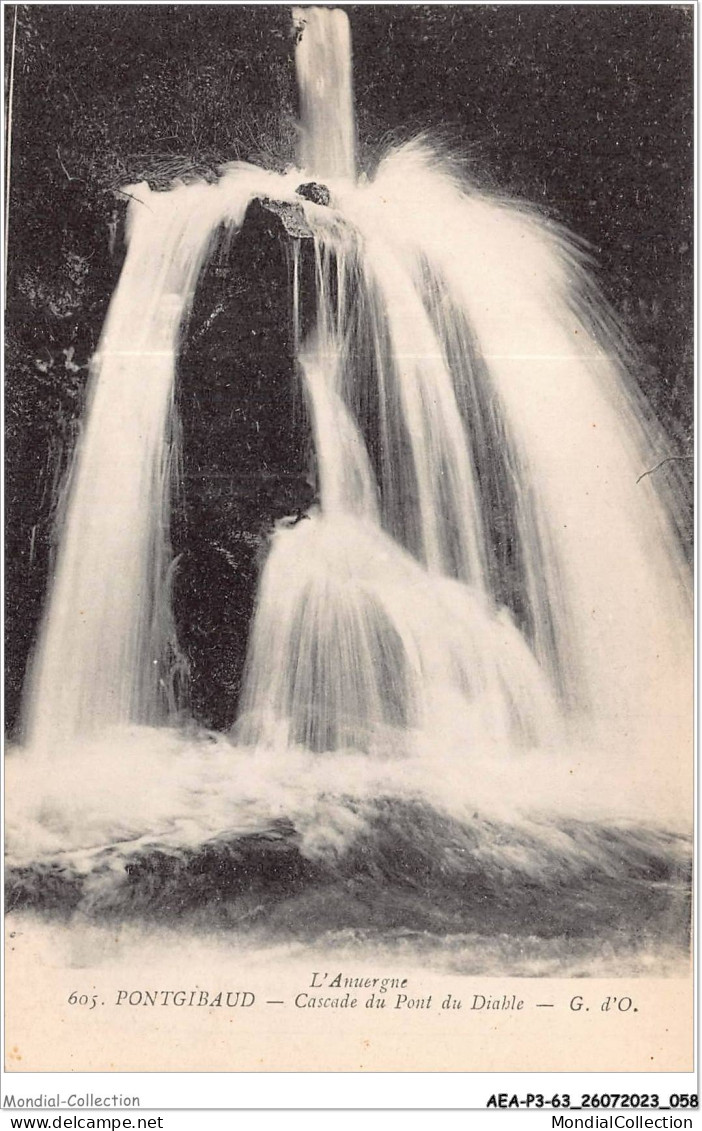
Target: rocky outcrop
[[291, 216], [318, 194], [245, 446]]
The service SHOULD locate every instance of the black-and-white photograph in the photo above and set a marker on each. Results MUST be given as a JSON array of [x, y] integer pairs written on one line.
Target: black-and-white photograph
[[348, 509]]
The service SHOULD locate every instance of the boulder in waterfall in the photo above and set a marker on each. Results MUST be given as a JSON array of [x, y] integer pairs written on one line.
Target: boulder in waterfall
[[312, 190], [291, 216]]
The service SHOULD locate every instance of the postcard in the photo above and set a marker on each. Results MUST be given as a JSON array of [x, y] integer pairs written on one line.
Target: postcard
[[349, 450]]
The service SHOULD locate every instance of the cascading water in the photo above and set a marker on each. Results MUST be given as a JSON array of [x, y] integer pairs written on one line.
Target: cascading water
[[106, 653], [323, 63], [487, 593], [373, 635]]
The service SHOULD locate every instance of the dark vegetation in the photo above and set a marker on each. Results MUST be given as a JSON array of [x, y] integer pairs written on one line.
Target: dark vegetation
[[585, 110]]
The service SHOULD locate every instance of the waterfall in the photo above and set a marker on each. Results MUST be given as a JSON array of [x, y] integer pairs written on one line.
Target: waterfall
[[463, 734], [377, 641], [485, 559], [323, 65], [107, 654]]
